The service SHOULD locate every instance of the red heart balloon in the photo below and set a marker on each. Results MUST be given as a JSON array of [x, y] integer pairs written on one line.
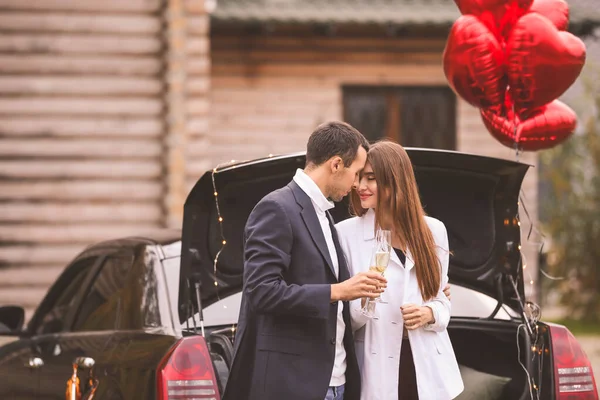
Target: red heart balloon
[[476, 7], [498, 15], [557, 11], [501, 128], [473, 63], [542, 62], [546, 127]]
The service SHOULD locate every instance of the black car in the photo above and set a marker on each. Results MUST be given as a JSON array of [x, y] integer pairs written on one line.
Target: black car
[[154, 317]]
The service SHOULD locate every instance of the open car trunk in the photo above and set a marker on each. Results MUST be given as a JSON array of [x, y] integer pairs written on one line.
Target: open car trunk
[[476, 198], [488, 353]]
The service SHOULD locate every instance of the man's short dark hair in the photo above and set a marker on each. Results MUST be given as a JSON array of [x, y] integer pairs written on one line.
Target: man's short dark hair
[[332, 139]]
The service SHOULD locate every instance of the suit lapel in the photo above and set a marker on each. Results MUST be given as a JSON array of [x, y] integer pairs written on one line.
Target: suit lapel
[[309, 216]]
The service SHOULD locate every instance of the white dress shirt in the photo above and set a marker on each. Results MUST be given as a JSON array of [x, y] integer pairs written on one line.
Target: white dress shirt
[[321, 205]]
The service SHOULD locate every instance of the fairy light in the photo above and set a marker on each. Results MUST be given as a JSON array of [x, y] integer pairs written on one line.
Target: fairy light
[[220, 220], [223, 240], [523, 259]]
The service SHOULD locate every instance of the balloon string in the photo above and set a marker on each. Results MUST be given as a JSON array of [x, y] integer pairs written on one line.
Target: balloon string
[[542, 237], [522, 202]]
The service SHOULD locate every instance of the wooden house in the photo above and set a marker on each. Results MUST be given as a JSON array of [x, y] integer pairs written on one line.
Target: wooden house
[[111, 109]]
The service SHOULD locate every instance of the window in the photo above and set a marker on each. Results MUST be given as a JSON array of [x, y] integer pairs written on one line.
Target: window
[[51, 314], [411, 116], [102, 306]]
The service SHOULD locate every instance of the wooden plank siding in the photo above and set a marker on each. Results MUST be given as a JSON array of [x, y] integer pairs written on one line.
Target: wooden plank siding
[[187, 153], [269, 92], [82, 129]]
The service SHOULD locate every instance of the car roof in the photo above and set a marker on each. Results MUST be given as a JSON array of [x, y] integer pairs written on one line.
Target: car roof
[[159, 236]]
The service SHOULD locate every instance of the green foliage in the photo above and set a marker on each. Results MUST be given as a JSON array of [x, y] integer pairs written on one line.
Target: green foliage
[[580, 328], [572, 217]]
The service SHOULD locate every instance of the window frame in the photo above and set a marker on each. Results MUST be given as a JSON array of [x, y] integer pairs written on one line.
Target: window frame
[[393, 97], [89, 284], [56, 290]]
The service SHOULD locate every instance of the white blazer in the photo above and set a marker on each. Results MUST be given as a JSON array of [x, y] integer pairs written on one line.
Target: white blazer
[[378, 340]]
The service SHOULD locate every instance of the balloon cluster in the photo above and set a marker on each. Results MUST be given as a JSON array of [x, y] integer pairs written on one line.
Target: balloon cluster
[[512, 59]]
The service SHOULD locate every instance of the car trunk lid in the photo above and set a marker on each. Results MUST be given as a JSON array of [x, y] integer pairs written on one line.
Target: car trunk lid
[[476, 197]]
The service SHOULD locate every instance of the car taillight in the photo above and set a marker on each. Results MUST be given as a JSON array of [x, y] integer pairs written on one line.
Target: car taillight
[[186, 372], [573, 375]]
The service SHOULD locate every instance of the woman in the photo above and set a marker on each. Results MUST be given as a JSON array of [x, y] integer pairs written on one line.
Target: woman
[[404, 350]]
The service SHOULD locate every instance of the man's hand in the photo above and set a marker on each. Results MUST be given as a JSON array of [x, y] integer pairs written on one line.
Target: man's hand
[[415, 316], [447, 291], [365, 284]]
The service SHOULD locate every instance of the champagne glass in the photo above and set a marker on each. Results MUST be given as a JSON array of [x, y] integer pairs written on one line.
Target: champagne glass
[[380, 258]]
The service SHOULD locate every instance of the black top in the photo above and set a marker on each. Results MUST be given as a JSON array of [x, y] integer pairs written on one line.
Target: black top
[[400, 255]]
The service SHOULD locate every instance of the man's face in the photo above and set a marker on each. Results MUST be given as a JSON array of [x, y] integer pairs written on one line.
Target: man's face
[[345, 178]]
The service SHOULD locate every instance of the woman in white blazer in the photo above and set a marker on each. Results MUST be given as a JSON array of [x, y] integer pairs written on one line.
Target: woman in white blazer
[[404, 350]]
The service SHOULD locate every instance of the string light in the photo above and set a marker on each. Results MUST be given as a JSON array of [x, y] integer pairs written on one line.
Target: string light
[[223, 241], [538, 351], [220, 220]]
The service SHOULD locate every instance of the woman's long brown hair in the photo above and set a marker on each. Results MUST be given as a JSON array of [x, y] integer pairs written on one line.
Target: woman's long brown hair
[[398, 197]]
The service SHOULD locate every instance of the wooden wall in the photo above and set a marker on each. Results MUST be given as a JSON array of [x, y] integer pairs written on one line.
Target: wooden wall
[[270, 91], [110, 110], [86, 150]]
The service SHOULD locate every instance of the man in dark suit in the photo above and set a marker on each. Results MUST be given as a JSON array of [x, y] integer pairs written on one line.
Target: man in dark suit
[[294, 338]]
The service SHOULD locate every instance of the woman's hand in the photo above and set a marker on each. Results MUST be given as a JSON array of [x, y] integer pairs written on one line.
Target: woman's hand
[[447, 292], [415, 316]]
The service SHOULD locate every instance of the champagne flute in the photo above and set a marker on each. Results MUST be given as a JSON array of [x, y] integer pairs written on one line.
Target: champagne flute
[[380, 259]]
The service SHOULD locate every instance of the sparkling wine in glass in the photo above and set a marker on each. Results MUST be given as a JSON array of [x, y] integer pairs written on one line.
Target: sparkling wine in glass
[[379, 263]]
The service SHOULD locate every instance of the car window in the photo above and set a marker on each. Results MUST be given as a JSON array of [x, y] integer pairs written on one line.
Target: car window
[[61, 298], [101, 308], [172, 279]]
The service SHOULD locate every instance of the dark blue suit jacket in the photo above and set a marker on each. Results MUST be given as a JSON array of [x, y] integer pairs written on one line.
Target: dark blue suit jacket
[[285, 340]]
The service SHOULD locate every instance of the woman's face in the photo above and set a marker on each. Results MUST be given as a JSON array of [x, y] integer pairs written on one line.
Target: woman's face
[[367, 188]]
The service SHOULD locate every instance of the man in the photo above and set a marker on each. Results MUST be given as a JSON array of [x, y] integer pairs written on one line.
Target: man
[[294, 340]]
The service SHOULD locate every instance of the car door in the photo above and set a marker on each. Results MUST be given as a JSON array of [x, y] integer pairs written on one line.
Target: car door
[[22, 361], [19, 370], [79, 358]]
